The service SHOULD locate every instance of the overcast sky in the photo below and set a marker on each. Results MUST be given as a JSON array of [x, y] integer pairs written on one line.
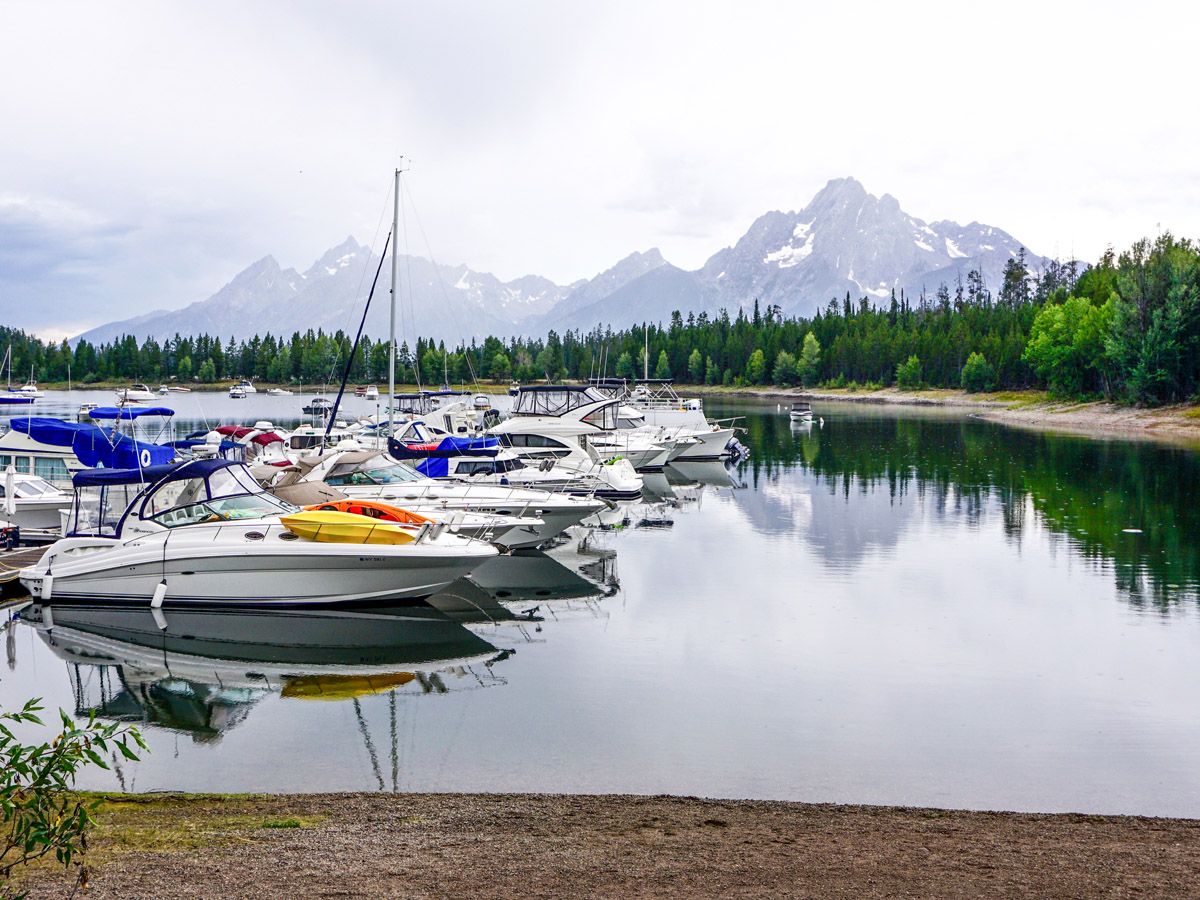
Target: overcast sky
[[149, 151]]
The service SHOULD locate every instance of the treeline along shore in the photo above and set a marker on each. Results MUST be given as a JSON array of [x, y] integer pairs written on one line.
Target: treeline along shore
[[1126, 330]]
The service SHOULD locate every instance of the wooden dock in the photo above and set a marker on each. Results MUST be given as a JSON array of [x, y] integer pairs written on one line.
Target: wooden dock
[[13, 561]]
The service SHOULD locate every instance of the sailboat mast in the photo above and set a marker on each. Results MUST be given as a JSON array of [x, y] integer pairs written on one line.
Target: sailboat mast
[[392, 317]]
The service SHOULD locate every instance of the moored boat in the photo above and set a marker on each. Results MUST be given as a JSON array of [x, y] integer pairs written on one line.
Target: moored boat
[[205, 532]]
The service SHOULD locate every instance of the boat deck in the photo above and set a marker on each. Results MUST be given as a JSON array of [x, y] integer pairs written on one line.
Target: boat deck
[[13, 561]]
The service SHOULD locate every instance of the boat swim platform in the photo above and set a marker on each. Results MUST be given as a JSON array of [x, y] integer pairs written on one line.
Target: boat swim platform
[[13, 561]]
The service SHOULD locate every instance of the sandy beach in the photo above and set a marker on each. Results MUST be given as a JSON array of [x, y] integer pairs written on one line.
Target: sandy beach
[[496, 845]]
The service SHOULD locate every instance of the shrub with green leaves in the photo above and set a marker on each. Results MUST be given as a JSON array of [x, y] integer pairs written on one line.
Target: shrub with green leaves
[[39, 811], [978, 374], [908, 374]]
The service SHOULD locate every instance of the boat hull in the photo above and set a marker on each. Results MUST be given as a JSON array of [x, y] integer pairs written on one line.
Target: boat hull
[[709, 445], [206, 570]]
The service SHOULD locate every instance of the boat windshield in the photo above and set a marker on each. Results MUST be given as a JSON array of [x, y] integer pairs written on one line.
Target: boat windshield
[[31, 488], [225, 509], [350, 474], [225, 495]]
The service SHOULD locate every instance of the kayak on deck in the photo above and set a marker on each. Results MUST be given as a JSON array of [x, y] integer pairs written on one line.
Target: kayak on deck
[[333, 527], [372, 508]]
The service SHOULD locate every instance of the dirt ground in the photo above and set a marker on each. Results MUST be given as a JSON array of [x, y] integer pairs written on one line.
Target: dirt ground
[[460, 845]]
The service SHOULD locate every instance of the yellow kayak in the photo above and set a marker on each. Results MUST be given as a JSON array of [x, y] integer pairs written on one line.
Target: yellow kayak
[[331, 527]]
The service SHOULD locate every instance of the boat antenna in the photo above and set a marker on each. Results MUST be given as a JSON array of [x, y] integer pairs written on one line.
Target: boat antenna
[[354, 349]]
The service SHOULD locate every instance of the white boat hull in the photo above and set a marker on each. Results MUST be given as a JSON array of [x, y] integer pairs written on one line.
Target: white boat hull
[[203, 566]]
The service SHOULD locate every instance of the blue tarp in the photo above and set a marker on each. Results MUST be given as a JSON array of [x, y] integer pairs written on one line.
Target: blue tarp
[[129, 412], [448, 446], [94, 445], [434, 468], [196, 468]]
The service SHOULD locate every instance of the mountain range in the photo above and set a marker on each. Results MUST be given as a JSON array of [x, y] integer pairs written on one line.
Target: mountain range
[[844, 240]]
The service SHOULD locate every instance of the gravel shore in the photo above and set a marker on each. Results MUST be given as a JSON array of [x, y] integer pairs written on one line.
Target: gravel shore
[[495, 845]]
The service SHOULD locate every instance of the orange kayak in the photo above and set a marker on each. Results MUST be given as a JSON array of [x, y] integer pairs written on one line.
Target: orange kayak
[[374, 509]]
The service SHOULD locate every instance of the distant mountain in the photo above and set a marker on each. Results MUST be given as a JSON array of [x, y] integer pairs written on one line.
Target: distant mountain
[[844, 240], [449, 302], [849, 240]]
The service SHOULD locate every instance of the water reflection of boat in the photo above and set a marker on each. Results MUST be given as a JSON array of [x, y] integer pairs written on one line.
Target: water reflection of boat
[[203, 672], [534, 575], [712, 473]]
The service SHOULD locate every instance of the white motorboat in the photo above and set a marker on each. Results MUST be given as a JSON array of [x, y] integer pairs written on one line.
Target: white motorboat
[[29, 389], [318, 406], [801, 411], [372, 475], [135, 393], [237, 392], [279, 392], [247, 386], [205, 532], [33, 504]]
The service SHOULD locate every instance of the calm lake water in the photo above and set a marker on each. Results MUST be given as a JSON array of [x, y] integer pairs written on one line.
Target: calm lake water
[[893, 607]]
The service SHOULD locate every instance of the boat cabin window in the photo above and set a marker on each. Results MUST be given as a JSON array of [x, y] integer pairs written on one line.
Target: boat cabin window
[[351, 474], [604, 418], [554, 402], [627, 422], [51, 469], [531, 440], [20, 464], [475, 467]]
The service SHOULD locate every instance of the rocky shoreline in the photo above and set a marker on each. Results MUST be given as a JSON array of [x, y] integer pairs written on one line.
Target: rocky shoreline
[[530, 845]]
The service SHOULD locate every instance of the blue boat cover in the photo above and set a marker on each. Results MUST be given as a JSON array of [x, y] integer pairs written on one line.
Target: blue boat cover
[[434, 467], [196, 468], [94, 445], [129, 412], [448, 447]]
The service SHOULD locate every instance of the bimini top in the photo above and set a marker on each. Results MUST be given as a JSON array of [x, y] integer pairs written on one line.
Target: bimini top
[[94, 445], [554, 399], [129, 412], [195, 468]]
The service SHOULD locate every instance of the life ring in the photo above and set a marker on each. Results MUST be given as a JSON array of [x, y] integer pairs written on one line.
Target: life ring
[[145, 457]]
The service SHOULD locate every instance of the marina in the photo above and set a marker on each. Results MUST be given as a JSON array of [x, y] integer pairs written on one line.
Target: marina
[[774, 626]]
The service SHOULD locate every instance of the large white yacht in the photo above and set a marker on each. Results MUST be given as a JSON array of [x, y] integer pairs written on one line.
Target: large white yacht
[[656, 405], [205, 532], [574, 425]]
